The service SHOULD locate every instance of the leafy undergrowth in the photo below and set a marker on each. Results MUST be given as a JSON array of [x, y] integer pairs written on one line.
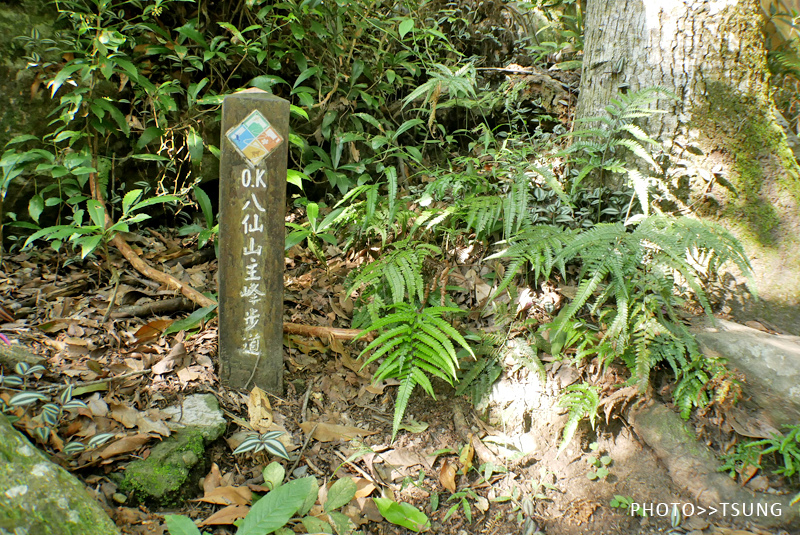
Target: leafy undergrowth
[[126, 369]]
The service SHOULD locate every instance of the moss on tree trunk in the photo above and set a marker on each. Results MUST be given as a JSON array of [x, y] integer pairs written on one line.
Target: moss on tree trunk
[[721, 130]]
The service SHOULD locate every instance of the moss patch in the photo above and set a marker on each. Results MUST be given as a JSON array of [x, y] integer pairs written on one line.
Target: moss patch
[[764, 173], [166, 473], [39, 497], [762, 203]]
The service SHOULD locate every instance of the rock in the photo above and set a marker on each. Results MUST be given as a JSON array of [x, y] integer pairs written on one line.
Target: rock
[[200, 411], [167, 471], [39, 497], [770, 363]]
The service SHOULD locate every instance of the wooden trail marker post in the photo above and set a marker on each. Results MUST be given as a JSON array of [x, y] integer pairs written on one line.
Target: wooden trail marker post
[[252, 179]]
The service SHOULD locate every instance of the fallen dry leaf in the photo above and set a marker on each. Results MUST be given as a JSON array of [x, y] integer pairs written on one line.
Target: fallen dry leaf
[[227, 496], [212, 479], [326, 432], [147, 425], [447, 476], [259, 410], [466, 456], [225, 516], [125, 415], [364, 486], [123, 445], [152, 330]]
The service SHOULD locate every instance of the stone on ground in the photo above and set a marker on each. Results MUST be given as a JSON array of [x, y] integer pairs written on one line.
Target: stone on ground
[[39, 497], [166, 473]]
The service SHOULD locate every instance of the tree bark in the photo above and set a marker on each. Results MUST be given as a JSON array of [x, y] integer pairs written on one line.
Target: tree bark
[[729, 156]]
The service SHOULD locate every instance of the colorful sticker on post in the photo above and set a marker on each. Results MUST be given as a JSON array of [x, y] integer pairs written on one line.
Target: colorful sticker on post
[[254, 138]]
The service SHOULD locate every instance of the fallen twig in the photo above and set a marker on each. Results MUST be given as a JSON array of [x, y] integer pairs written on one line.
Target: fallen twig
[[165, 278], [163, 306], [321, 331], [81, 384]]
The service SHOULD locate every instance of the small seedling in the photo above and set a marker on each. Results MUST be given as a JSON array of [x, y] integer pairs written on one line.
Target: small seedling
[[600, 464], [625, 502]]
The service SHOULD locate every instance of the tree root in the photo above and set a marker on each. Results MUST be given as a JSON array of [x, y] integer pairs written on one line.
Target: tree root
[[159, 276], [694, 467]]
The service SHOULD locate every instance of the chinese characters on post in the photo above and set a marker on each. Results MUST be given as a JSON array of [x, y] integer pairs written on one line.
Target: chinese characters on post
[[252, 197]]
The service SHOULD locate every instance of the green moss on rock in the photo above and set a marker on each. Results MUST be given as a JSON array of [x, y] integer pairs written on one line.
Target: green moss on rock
[[166, 473], [39, 497]]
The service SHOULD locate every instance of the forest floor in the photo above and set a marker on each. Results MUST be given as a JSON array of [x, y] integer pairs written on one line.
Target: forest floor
[[63, 312]]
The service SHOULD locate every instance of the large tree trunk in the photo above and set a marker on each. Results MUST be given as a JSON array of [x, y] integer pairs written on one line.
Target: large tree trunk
[[721, 130]]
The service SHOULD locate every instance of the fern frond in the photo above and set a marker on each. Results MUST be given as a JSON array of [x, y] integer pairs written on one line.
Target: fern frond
[[401, 270], [582, 401], [540, 246], [407, 384], [482, 213], [411, 344]]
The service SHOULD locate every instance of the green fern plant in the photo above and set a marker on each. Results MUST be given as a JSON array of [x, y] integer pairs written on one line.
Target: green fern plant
[[399, 270], [605, 147], [478, 376], [414, 343], [582, 401], [628, 279], [538, 247]]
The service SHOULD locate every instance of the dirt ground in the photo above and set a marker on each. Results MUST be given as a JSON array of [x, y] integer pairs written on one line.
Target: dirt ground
[[438, 462]]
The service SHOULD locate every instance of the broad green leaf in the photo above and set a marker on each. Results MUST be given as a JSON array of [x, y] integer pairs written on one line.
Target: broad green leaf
[[276, 508], [96, 213], [265, 82], [195, 143], [305, 75], [135, 219], [126, 66], [130, 198], [312, 212], [22, 139], [406, 26], [149, 135], [180, 525], [411, 123], [64, 75], [273, 475], [191, 321], [293, 238], [315, 525], [341, 522], [296, 177], [36, 207], [310, 499], [205, 205], [298, 111], [358, 68], [188, 30], [402, 514], [340, 494], [150, 157], [155, 200], [194, 89], [213, 100], [122, 226], [89, 244]]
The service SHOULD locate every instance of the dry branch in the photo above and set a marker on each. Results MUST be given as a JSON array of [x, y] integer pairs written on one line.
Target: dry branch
[[11, 355], [320, 331], [159, 276]]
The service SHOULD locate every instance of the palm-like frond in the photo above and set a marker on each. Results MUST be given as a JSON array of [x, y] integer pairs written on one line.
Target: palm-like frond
[[540, 247], [400, 269], [412, 345]]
